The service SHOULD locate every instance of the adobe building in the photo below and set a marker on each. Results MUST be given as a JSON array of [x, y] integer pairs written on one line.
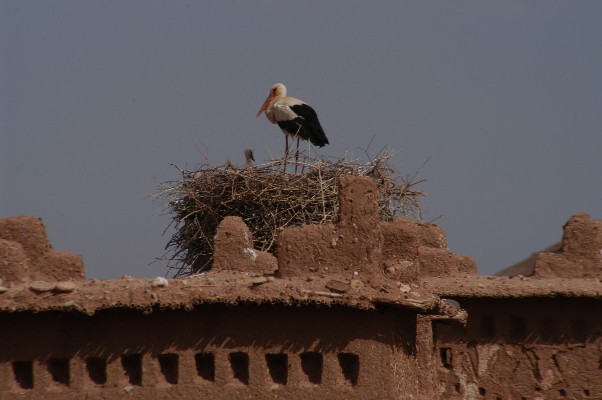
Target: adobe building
[[360, 309], [536, 337]]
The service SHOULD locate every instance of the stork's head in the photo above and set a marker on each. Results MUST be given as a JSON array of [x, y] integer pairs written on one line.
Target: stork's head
[[249, 155], [277, 91]]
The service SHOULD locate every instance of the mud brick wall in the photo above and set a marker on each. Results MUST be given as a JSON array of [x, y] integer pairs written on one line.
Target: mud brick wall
[[580, 255], [26, 254], [360, 244], [529, 348], [212, 351]]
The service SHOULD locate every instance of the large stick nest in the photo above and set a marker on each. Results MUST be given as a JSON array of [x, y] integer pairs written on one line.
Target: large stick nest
[[269, 199]]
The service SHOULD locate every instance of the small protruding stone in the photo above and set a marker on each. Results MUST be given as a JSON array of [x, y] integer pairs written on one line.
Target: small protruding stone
[[159, 282], [337, 286], [69, 304], [453, 303], [3, 289], [251, 253], [41, 286], [128, 389], [384, 289], [403, 288], [356, 284], [64, 287], [262, 279]]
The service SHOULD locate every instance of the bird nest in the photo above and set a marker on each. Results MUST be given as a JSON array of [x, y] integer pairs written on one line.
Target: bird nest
[[269, 199]]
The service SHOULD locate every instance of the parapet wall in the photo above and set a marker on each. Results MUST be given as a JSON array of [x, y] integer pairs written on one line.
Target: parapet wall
[[580, 254], [358, 245], [28, 256]]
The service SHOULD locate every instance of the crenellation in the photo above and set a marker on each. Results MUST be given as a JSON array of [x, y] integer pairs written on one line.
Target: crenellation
[[27, 254], [580, 254], [234, 249]]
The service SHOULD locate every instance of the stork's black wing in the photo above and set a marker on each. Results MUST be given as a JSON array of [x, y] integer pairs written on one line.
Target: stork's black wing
[[307, 125]]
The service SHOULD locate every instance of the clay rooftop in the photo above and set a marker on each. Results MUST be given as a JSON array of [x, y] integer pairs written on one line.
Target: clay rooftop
[[228, 288], [517, 286]]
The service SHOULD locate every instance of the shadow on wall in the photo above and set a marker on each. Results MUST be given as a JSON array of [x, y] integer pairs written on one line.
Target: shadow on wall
[[244, 326]]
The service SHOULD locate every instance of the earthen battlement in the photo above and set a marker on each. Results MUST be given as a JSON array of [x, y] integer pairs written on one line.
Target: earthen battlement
[[27, 254]]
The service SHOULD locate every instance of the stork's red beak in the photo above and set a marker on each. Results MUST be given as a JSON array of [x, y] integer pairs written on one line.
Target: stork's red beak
[[264, 106]]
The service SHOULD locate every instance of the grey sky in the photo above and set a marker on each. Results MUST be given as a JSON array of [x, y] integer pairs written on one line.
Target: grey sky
[[97, 99]]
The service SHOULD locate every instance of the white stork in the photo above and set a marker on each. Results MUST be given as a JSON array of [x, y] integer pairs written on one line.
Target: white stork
[[294, 117]]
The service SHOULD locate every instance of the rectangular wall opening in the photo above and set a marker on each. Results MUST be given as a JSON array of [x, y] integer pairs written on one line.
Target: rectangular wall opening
[[59, 370], [518, 329], [350, 366], [239, 362], [169, 367], [277, 367], [97, 369], [487, 327], [579, 330], [548, 330], [23, 372], [205, 366], [132, 366], [312, 364], [445, 353]]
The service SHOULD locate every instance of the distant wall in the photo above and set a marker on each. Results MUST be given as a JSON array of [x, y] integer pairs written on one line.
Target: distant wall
[[522, 348], [580, 255]]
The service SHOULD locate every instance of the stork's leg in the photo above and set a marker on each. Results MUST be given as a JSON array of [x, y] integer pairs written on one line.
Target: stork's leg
[[306, 157], [297, 155], [285, 150], [299, 126]]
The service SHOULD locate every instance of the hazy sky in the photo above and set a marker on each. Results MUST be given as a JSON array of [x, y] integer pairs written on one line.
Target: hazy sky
[[98, 99]]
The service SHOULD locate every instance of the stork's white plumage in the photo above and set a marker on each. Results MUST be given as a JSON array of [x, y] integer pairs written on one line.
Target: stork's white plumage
[[293, 116]]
